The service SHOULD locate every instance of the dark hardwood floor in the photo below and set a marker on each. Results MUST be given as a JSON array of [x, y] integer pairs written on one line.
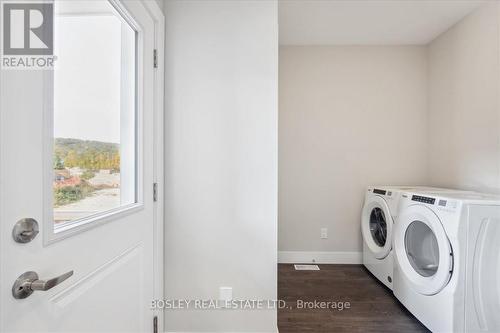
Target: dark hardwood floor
[[372, 306]]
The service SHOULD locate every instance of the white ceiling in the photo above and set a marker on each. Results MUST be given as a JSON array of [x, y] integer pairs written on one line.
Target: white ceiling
[[368, 22]]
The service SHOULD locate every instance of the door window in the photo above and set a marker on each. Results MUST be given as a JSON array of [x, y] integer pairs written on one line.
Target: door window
[[378, 226], [422, 248], [94, 157]]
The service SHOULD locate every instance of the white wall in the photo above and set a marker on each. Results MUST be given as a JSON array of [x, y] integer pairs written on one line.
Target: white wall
[[160, 3], [349, 117], [464, 117], [221, 160]]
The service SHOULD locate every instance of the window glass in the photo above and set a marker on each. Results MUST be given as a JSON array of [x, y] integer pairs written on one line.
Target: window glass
[[94, 156]]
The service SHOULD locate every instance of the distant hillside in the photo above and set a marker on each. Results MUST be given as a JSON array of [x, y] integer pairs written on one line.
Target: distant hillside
[[64, 145], [86, 154]]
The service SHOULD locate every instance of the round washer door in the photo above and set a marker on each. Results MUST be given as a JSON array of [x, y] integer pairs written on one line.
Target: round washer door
[[376, 226], [423, 250]]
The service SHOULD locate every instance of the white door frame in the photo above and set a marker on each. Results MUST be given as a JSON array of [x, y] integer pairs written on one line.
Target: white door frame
[[159, 19]]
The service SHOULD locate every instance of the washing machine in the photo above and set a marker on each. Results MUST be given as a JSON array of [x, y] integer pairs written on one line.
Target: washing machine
[[447, 260], [377, 220]]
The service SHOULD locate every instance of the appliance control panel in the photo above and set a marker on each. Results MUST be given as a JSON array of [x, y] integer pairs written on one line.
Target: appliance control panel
[[382, 192], [423, 199]]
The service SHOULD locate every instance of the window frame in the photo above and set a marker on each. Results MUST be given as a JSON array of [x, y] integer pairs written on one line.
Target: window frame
[[53, 233]]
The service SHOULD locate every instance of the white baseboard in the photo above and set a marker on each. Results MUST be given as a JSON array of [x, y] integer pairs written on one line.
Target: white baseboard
[[299, 257]]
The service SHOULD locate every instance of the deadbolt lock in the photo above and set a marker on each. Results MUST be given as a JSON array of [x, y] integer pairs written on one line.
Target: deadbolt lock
[[25, 230]]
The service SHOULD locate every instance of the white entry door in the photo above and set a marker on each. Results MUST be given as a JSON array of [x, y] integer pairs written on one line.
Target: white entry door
[[77, 164]]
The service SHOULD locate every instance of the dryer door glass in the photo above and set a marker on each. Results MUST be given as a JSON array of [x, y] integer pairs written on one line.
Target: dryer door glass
[[378, 226], [422, 248]]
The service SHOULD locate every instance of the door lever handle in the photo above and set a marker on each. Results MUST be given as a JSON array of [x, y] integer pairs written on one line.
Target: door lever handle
[[48, 284], [28, 282]]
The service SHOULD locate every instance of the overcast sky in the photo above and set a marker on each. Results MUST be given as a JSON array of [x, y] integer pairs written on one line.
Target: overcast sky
[[87, 78]]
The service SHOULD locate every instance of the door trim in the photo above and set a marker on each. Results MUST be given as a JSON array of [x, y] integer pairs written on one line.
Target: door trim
[[159, 80]]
